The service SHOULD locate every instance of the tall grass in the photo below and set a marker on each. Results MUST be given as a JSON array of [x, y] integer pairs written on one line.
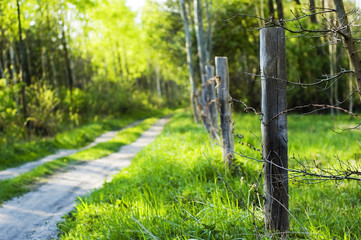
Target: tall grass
[[177, 188]]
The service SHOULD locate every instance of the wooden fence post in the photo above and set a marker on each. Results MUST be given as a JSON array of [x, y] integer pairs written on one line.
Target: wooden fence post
[[274, 131], [205, 100], [225, 110], [212, 103]]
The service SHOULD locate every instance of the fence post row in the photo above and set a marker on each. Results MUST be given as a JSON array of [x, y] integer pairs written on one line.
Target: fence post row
[[274, 131], [225, 110]]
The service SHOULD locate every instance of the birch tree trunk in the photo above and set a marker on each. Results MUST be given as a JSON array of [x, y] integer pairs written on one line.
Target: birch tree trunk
[[198, 24], [349, 42], [202, 61], [208, 40], [189, 59]]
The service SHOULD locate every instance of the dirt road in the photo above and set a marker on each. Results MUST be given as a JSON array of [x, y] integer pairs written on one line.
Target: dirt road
[[13, 172], [35, 214]]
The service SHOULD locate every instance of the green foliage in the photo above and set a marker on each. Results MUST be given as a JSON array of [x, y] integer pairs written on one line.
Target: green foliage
[[177, 188], [44, 114], [28, 181], [9, 122], [105, 51]]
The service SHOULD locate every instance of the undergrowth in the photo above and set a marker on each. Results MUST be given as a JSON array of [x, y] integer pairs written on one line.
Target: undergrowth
[[177, 188]]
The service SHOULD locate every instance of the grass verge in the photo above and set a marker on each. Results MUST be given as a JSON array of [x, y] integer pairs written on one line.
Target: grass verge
[[177, 188], [23, 183], [16, 154]]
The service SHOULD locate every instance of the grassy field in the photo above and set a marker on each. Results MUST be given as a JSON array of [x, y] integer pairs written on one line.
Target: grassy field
[[23, 183], [177, 188]]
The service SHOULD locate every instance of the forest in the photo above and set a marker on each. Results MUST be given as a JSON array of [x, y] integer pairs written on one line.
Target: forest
[[252, 106]]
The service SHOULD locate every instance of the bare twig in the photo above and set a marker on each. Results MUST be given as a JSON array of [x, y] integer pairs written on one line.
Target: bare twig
[[247, 108]]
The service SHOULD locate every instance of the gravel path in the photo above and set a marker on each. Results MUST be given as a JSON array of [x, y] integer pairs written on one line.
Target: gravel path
[[13, 172], [35, 214]]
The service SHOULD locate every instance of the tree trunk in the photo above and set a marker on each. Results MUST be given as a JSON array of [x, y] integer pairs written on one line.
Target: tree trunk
[[66, 55], [119, 59], [202, 61], [331, 56], [2, 73], [24, 71], [12, 64], [313, 10], [189, 59], [157, 78], [259, 12], [208, 40], [332, 53], [349, 41], [2, 46], [271, 9], [4, 56], [350, 86], [51, 50], [42, 44], [198, 23], [25, 74], [281, 17], [15, 78]]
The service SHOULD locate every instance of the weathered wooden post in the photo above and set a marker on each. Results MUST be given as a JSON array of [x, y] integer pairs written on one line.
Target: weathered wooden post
[[225, 106], [205, 101], [212, 103], [274, 131]]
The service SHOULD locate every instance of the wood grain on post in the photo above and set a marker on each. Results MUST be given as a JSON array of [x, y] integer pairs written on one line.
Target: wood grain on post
[[274, 133], [225, 107]]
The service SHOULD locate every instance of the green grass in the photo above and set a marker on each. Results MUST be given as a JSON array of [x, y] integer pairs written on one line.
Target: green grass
[[23, 183], [177, 188], [13, 155]]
